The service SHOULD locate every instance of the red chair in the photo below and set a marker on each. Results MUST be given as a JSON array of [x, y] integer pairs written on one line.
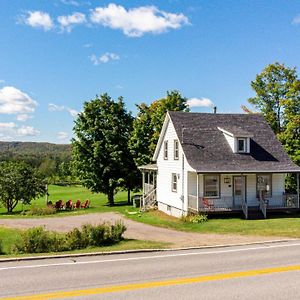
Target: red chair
[[207, 204], [69, 204], [77, 204], [59, 204], [86, 204]]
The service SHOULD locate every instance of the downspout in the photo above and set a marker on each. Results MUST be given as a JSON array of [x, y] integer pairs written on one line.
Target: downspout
[[182, 189]]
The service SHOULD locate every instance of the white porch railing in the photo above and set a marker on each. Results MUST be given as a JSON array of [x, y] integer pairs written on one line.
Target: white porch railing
[[245, 208], [148, 188], [263, 207]]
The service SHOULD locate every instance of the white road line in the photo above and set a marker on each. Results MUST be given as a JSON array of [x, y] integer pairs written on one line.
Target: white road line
[[148, 257]]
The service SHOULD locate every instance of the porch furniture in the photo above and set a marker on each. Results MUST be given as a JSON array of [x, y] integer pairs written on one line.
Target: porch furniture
[[59, 204], [86, 204], [69, 204], [208, 204], [77, 204]]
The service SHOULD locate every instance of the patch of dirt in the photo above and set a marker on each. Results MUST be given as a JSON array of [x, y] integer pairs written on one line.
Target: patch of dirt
[[136, 230]]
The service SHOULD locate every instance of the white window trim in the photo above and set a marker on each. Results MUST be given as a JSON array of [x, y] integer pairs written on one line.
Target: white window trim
[[174, 175], [166, 152], [245, 140], [219, 187], [176, 150]]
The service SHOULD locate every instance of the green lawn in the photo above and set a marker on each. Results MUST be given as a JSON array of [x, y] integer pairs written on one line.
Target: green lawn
[[284, 225], [98, 201]]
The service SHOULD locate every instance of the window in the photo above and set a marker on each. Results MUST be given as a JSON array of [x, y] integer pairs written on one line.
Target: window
[[264, 185], [211, 186], [166, 150], [242, 145], [174, 182], [176, 149]]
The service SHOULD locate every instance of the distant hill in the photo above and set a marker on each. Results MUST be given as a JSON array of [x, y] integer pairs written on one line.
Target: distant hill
[[34, 152]]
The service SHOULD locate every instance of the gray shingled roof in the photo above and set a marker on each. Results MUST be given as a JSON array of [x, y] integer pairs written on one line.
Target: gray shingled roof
[[207, 150]]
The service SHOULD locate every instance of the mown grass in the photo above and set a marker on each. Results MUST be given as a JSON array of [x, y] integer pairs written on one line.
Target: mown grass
[[98, 202], [10, 236], [276, 225]]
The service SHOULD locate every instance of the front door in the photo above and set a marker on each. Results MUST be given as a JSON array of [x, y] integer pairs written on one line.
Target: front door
[[239, 190]]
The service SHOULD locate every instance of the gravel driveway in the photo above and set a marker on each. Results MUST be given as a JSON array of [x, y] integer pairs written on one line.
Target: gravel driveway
[[135, 230]]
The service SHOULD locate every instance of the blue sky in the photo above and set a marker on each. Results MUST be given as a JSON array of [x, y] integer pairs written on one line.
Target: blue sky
[[54, 55]]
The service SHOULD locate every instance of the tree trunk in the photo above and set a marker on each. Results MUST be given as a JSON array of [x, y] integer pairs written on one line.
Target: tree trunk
[[128, 196], [110, 197]]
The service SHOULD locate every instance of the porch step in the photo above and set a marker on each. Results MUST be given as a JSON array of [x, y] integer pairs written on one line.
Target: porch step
[[254, 213]]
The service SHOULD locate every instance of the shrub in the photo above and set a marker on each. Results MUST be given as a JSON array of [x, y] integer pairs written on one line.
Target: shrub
[[38, 240], [41, 211], [198, 218], [34, 240], [75, 239], [1, 247]]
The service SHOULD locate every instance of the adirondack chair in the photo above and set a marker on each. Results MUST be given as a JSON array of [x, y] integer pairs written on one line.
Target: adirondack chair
[[86, 204], [59, 204], [208, 204], [69, 204], [77, 204]]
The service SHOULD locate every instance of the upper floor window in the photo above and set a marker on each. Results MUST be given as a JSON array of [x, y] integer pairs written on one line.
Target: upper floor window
[[211, 186], [166, 150], [242, 145], [176, 149]]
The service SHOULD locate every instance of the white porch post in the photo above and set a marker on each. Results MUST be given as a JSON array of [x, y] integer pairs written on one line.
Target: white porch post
[[197, 192], [143, 200], [298, 190]]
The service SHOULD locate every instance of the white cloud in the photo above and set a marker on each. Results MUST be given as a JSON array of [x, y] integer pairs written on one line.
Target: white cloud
[[87, 45], [104, 58], [62, 135], [23, 117], [196, 102], [296, 20], [10, 131], [53, 107], [14, 101], [68, 22], [70, 2], [38, 19], [135, 22]]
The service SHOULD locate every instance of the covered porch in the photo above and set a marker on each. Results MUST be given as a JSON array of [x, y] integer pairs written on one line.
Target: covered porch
[[149, 176], [240, 192]]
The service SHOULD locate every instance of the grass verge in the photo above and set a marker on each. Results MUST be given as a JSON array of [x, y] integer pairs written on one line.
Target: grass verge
[[9, 236]]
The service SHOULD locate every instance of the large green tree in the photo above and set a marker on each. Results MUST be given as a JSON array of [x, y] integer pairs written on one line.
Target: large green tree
[[277, 97], [277, 90], [148, 124], [100, 147], [19, 182]]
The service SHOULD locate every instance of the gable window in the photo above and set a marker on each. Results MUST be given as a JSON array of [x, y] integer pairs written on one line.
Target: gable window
[[264, 185], [166, 150], [242, 145], [176, 150], [211, 186], [174, 182]]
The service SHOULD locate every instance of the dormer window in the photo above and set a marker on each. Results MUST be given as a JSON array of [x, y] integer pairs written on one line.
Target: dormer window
[[238, 139], [242, 145]]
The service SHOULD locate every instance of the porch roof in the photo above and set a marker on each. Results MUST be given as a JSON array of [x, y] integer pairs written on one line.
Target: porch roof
[[150, 167], [207, 150]]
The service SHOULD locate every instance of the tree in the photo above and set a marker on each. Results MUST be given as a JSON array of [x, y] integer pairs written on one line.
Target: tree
[[277, 96], [100, 147], [148, 124], [18, 181]]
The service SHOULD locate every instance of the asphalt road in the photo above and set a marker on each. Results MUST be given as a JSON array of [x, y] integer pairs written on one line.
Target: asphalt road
[[265, 271]]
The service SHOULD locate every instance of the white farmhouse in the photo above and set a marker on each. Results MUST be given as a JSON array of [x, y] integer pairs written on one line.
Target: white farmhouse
[[217, 163]]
